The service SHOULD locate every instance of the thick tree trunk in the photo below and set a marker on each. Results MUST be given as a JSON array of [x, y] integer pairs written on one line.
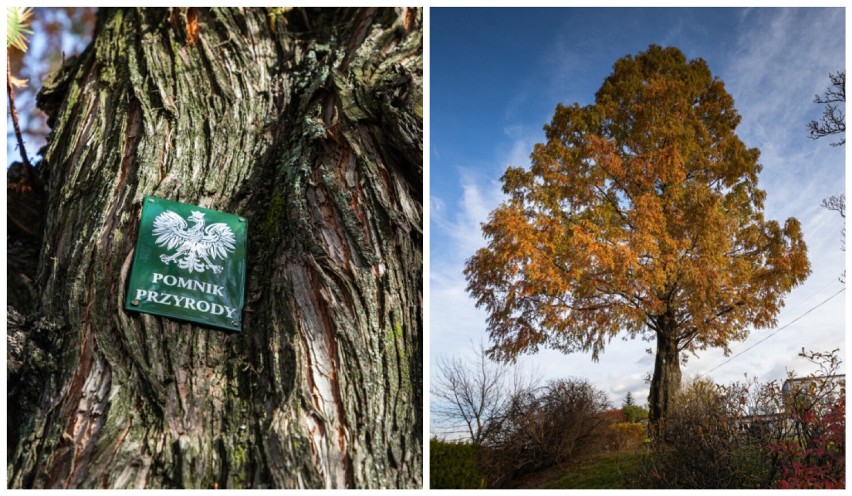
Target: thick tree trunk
[[308, 122], [666, 380]]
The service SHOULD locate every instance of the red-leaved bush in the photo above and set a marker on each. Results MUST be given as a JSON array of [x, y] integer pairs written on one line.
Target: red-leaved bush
[[752, 435], [817, 458]]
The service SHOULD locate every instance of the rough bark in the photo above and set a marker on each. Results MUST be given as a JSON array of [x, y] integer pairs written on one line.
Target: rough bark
[[308, 122], [666, 379]]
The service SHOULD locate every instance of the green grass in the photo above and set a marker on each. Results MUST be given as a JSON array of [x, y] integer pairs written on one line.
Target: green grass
[[605, 471]]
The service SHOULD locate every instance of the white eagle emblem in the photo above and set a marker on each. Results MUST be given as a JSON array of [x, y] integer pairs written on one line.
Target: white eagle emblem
[[197, 245]]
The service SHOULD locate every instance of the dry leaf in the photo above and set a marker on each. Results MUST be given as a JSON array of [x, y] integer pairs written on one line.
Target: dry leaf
[[18, 83]]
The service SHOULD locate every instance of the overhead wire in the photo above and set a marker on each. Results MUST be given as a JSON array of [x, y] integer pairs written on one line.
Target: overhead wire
[[814, 294], [788, 324]]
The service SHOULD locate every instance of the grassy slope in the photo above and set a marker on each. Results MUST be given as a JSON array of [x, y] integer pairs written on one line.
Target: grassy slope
[[605, 471]]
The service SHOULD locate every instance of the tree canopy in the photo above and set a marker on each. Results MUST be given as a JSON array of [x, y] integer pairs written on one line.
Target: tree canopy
[[640, 214]]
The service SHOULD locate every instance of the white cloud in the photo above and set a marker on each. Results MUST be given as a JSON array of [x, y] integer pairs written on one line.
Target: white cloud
[[783, 58], [461, 223], [454, 319]]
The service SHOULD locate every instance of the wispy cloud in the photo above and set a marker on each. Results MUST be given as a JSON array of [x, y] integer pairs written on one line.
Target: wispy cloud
[[456, 227], [782, 58], [461, 221]]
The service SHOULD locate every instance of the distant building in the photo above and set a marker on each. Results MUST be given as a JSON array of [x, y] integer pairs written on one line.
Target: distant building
[[825, 390], [830, 387]]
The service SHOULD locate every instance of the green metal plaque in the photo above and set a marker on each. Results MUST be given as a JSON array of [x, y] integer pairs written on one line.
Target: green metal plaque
[[190, 264]]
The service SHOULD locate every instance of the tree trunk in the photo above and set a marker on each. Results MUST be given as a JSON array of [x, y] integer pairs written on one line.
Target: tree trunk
[[308, 122], [666, 380]]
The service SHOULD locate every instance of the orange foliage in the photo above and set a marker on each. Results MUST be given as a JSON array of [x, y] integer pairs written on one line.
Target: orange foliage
[[626, 435], [640, 214], [191, 26]]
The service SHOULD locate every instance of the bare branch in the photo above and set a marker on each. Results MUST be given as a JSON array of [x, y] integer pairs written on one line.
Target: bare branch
[[471, 394], [833, 119]]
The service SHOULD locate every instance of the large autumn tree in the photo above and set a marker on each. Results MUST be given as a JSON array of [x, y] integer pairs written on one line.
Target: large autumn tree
[[640, 215], [307, 122]]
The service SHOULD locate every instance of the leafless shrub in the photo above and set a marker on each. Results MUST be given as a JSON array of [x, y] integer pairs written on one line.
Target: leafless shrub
[[470, 394], [544, 427]]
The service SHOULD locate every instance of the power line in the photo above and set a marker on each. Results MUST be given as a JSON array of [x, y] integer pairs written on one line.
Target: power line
[[823, 302], [814, 294]]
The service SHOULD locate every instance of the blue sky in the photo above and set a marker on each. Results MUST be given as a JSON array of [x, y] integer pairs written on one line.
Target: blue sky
[[496, 77], [68, 36]]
